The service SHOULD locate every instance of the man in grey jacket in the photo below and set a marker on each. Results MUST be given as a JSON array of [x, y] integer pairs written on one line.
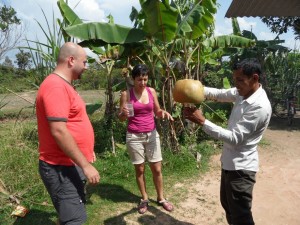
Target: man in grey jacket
[[249, 118]]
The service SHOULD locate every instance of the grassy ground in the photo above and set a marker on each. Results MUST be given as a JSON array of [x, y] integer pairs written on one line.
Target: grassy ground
[[108, 203]]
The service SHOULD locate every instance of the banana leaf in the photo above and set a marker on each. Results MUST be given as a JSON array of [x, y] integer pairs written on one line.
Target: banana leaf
[[160, 19], [68, 14], [106, 33], [225, 41]]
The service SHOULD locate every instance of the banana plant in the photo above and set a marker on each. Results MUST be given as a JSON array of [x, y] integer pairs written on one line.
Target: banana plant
[[164, 31], [262, 50]]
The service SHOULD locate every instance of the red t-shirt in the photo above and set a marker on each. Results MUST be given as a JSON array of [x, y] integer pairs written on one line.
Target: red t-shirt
[[58, 101]]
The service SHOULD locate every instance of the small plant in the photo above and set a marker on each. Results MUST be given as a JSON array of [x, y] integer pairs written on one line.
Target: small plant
[[264, 142], [2, 102]]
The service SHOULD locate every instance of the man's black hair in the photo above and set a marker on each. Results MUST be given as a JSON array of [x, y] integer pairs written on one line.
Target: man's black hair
[[249, 66], [140, 70]]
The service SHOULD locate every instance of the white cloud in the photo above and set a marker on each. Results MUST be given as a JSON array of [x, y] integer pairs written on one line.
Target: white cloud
[[265, 36], [223, 28], [246, 24], [118, 5], [262, 32], [88, 10], [290, 42], [119, 9]]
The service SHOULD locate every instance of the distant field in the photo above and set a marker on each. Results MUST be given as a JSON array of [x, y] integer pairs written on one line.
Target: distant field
[[22, 100]]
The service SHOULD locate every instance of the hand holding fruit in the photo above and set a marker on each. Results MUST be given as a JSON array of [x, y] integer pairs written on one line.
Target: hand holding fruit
[[193, 114]]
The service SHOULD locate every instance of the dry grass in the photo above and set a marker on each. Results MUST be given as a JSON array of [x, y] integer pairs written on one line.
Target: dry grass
[[26, 100]]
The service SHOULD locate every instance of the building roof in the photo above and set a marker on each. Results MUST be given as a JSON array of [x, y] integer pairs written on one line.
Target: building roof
[[278, 8]]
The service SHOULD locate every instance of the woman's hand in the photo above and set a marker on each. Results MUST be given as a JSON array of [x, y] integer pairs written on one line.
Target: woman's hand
[[166, 115], [124, 112]]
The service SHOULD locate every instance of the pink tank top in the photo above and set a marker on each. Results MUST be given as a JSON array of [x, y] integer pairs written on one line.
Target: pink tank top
[[143, 119]]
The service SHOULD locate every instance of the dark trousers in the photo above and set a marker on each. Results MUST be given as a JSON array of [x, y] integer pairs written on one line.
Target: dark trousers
[[236, 196], [65, 185]]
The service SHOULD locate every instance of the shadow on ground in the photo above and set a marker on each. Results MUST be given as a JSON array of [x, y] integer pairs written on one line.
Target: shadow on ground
[[112, 192], [116, 193], [154, 216], [282, 124], [36, 217]]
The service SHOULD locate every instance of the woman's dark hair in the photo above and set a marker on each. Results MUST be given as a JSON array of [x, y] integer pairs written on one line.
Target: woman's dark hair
[[249, 66], [139, 70]]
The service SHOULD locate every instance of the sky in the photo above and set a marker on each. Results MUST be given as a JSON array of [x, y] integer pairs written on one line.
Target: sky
[[29, 11]]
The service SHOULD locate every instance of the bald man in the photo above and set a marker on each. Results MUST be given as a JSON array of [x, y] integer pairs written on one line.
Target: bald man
[[66, 137]]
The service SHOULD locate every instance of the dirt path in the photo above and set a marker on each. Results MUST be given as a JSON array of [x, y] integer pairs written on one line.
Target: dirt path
[[276, 192]]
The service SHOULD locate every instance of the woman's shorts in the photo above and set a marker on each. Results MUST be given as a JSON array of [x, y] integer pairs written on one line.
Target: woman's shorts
[[143, 147]]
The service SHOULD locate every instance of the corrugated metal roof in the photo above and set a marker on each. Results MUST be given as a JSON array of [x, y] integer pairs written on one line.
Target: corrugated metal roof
[[278, 8]]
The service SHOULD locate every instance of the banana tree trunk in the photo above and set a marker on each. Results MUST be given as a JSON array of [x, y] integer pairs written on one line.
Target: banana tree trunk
[[171, 140], [110, 107]]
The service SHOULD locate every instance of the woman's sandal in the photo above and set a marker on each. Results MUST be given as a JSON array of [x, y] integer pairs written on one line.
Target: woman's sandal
[[166, 205], [143, 206]]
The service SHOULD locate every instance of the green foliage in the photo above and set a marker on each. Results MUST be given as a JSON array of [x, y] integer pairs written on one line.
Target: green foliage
[[23, 59], [264, 142], [18, 167], [104, 127], [213, 111], [213, 79], [8, 63], [282, 73], [95, 78], [160, 20], [71, 18], [226, 41], [206, 150], [10, 30], [6, 71], [103, 31], [8, 17], [218, 116], [196, 150], [92, 79], [11, 78], [280, 25]]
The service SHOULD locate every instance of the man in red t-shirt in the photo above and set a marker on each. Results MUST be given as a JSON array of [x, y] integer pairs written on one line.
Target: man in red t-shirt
[[66, 137]]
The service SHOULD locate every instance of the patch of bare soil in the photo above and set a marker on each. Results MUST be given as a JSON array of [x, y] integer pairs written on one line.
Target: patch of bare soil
[[276, 192], [277, 189]]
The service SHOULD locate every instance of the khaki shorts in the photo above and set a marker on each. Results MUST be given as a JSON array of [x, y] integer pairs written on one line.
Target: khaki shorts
[[143, 147]]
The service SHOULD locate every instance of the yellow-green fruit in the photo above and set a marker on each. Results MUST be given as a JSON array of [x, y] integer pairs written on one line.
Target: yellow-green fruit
[[188, 91]]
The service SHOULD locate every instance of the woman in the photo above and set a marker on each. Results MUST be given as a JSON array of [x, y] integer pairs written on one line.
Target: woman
[[142, 139]]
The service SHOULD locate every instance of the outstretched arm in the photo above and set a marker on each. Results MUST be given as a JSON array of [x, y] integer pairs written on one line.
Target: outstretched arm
[[160, 113]]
